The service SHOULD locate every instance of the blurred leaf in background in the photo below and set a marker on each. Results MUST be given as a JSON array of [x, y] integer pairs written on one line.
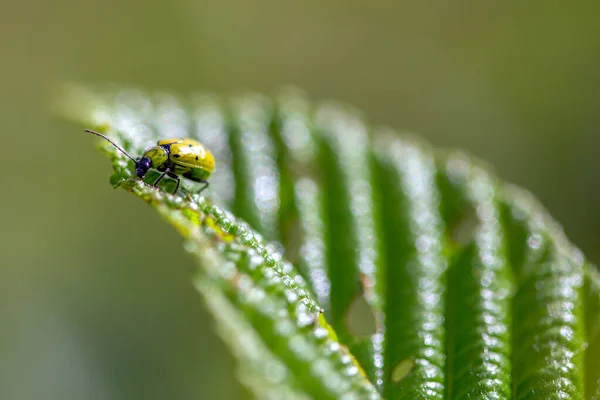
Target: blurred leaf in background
[[86, 312]]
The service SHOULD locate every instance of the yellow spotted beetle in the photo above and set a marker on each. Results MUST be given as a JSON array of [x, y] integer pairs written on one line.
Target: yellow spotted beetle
[[173, 157]]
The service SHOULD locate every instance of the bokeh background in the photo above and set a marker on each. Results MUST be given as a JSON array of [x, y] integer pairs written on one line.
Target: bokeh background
[[95, 299]]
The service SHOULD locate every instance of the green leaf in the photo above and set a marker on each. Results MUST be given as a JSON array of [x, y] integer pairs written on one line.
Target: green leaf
[[369, 264]]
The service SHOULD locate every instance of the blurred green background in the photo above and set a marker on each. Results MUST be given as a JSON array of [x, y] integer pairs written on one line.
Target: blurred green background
[[95, 298]]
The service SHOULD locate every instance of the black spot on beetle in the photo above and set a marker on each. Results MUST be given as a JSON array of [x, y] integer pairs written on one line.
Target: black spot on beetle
[[176, 155], [196, 158], [189, 145]]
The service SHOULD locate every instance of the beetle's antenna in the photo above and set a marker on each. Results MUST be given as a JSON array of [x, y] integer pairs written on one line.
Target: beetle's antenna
[[111, 142]]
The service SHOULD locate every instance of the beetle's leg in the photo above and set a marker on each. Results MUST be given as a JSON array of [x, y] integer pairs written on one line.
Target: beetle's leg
[[170, 174], [203, 187], [160, 178], [176, 177]]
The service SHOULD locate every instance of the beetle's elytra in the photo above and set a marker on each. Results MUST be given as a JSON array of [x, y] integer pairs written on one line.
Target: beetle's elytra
[[174, 158]]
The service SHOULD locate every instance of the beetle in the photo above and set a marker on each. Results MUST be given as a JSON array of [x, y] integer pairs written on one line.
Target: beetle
[[173, 157]]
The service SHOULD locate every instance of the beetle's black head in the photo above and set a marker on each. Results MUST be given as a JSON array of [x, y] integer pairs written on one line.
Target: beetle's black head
[[142, 166]]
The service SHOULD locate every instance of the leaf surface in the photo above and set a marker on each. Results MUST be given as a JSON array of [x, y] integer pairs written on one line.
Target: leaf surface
[[370, 265]]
